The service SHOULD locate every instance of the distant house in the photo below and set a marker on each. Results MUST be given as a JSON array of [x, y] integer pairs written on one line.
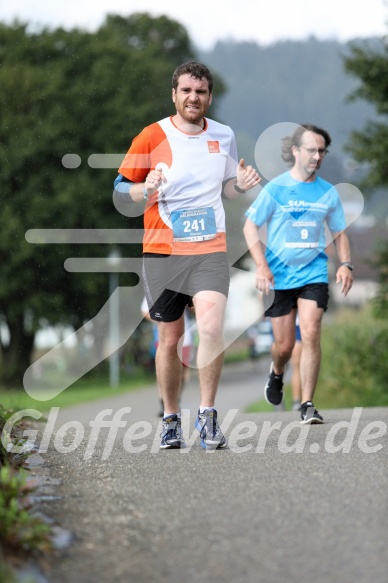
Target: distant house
[[244, 306], [364, 240]]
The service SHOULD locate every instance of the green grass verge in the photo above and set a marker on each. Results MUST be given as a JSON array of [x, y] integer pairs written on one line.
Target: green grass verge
[[354, 365], [353, 372], [89, 388], [92, 387], [262, 406], [238, 355]]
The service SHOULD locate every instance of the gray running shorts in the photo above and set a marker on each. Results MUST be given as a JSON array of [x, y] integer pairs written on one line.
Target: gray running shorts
[[170, 281]]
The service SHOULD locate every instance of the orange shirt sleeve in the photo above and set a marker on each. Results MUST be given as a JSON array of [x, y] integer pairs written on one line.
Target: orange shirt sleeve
[[139, 159]]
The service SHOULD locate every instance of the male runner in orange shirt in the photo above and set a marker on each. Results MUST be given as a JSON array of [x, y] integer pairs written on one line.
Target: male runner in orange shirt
[[183, 165]]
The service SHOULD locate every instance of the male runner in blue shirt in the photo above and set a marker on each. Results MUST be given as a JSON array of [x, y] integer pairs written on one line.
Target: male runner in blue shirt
[[296, 206]]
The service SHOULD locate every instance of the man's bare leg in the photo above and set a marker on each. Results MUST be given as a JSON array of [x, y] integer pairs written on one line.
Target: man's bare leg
[[283, 328], [310, 317], [296, 384], [209, 311], [168, 363]]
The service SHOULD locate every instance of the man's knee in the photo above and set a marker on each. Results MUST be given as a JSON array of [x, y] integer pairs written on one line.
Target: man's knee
[[284, 349], [311, 333], [169, 335]]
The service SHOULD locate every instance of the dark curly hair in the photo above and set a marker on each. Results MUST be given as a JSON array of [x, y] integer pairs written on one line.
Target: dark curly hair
[[194, 69], [296, 138]]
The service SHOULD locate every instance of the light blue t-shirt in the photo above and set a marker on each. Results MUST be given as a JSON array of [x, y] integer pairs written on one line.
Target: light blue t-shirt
[[296, 214]]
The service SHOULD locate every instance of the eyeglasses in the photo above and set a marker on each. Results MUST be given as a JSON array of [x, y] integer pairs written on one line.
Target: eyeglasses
[[313, 151]]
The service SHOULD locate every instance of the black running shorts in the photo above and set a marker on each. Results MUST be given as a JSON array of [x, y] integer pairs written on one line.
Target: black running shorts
[[286, 299]]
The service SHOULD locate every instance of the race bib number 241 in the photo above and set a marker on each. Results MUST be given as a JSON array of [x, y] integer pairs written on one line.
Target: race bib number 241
[[194, 225]]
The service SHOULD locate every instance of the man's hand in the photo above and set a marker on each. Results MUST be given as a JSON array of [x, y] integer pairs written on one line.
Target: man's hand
[[345, 276], [247, 177], [153, 181], [264, 279]]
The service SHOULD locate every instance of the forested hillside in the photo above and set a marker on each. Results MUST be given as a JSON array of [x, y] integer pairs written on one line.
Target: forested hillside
[[289, 81]]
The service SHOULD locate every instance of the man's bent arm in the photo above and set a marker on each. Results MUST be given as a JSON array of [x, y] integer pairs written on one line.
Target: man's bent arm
[[127, 191], [255, 247], [246, 178], [264, 275]]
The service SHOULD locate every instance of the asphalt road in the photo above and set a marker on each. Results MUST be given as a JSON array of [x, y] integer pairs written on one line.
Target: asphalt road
[[283, 504]]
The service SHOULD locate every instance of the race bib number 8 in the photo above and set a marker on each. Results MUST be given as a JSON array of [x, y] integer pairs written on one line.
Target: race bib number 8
[[194, 225]]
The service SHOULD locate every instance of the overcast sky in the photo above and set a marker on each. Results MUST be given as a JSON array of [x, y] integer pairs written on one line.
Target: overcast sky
[[263, 21]]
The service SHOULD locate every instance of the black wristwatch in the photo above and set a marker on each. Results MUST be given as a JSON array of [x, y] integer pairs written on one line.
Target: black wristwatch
[[348, 265], [238, 189]]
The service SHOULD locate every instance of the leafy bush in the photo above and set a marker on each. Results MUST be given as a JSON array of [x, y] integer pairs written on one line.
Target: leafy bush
[[354, 367], [7, 458], [7, 575], [21, 533], [20, 530]]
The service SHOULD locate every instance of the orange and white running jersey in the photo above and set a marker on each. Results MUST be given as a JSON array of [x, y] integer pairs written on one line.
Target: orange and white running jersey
[[185, 216]]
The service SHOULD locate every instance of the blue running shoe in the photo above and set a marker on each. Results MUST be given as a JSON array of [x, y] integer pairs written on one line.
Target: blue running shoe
[[171, 433], [209, 430]]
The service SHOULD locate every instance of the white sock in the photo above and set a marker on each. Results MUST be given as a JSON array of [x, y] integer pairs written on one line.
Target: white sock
[[169, 414], [202, 409]]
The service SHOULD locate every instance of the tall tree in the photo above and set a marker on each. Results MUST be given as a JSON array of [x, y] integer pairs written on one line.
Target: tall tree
[[69, 92], [368, 62]]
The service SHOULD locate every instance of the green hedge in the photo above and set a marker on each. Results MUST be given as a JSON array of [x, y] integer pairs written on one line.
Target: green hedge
[[354, 371]]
